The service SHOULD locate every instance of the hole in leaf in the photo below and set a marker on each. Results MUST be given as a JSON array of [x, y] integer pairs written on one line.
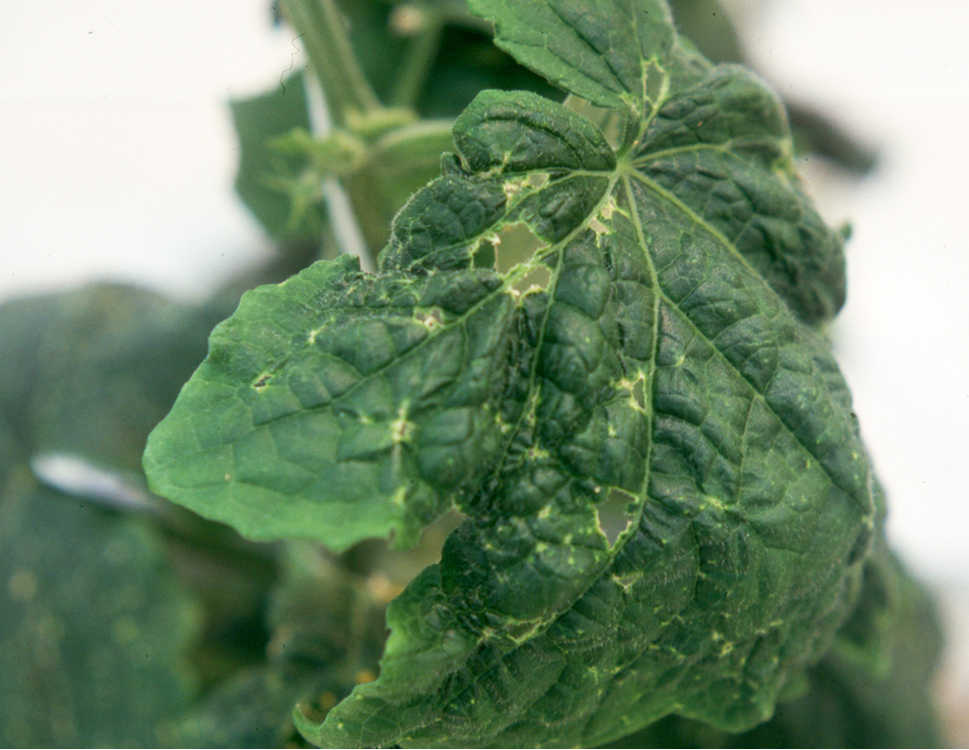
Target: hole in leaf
[[655, 81], [484, 255], [615, 512], [538, 180], [516, 244], [636, 388], [639, 392], [540, 276]]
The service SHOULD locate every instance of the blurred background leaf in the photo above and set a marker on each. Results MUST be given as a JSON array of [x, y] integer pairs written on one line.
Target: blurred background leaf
[[96, 628]]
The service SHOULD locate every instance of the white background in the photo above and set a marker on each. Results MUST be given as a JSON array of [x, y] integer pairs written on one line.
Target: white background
[[117, 158]]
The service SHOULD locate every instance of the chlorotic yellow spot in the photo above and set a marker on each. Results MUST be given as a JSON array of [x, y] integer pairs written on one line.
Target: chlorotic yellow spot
[[400, 430], [609, 208]]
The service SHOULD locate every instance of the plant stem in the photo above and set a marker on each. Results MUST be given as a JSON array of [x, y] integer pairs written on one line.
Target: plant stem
[[332, 60], [418, 60], [345, 220]]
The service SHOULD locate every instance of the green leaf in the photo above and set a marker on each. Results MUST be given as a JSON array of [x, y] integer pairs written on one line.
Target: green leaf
[[339, 405], [587, 354], [602, 51], [874, 688], [722, 149], [94, 628], [668, 392]]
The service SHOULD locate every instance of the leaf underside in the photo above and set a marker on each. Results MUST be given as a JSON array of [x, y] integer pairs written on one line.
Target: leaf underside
[[668, 502]]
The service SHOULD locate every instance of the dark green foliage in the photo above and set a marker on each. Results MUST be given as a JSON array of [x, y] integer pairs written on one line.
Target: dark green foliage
[[83, 376], [668, 503], [99, 629], [99, 389], [869, 690], [591, 357], [458, 61], [327, 631]]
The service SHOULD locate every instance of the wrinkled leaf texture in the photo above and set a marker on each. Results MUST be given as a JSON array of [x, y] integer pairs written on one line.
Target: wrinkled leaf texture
[[668, 504]]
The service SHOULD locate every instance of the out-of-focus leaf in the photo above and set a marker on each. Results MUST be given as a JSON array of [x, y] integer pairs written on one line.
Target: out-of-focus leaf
[[23, 325], [815, 133], [11, 451], [107, 368], [253, 709], [94, 628], [327, 634], [467, 64], [378, 49], [326, 614], [708, 26], [89, 373], [465, 61]]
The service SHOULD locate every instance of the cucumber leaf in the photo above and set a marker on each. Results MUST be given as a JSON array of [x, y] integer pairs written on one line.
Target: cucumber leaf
[[605, 357], [872, 689], [600, 51]]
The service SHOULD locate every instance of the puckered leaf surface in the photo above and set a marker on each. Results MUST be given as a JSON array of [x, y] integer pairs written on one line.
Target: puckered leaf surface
[[668, 502], [871, 689]]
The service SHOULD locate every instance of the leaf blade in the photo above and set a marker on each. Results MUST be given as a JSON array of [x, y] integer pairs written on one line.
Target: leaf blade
[[670, 505], [597, 53], [727, 369], [301, 410]]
